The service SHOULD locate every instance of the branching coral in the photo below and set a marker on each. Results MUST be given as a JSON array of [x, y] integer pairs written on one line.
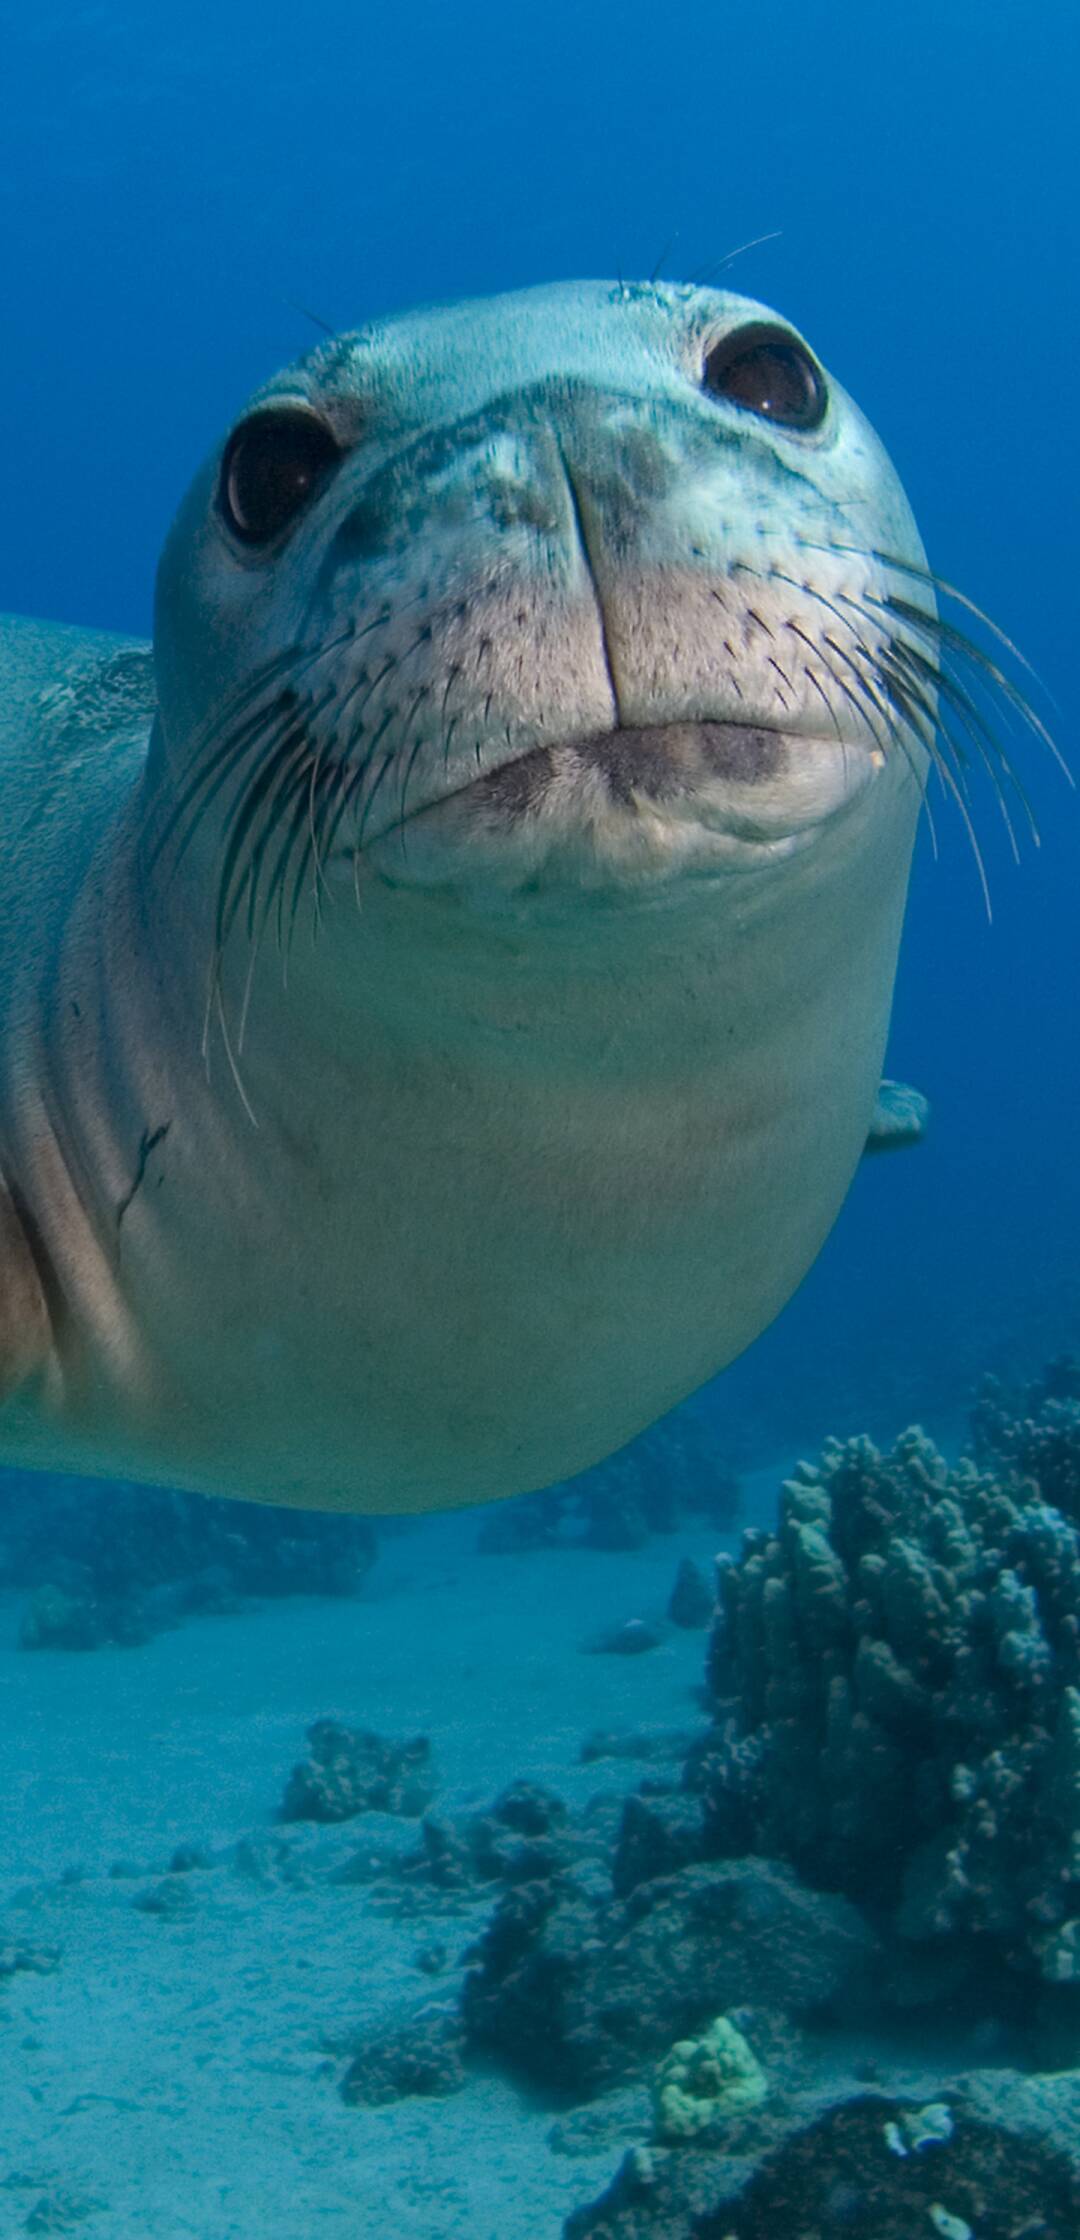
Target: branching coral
[[897, 1683]]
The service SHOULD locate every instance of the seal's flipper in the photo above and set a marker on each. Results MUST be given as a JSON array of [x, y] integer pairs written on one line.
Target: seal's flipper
[[901, 1116], [24, 1319]]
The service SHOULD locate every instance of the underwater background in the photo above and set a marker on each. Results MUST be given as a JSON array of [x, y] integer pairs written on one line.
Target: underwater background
[[180, 193]]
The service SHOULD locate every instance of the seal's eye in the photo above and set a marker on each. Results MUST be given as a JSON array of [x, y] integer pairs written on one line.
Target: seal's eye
[[273, 464], [766, 371]]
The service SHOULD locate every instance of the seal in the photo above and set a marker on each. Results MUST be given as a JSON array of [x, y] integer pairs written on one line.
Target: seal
[[446, 990]]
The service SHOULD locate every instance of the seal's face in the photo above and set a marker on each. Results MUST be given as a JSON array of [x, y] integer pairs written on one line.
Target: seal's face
[[586, 585]]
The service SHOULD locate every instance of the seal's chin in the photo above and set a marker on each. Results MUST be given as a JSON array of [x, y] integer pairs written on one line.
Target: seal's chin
[[633, 805]]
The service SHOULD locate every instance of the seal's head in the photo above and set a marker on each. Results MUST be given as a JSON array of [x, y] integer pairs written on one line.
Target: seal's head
[[594, 587]]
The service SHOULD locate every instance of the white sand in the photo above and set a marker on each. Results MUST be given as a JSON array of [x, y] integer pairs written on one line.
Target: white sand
[[173, 2070]]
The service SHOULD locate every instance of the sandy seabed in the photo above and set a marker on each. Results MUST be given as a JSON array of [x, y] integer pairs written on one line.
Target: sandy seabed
[[171, 2076]]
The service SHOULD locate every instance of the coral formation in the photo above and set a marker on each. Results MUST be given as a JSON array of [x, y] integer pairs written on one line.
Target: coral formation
[[350, 1771], [1033, 1433], [705, 2081], [672, 1471], [839, 2174], [54, 1619], [116, 1563], [896, 1676]]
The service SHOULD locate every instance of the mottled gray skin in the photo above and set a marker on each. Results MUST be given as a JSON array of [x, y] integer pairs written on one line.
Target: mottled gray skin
[[546, 1114]]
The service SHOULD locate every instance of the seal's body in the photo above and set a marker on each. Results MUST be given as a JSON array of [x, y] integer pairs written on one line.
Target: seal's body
[[442, 1035]]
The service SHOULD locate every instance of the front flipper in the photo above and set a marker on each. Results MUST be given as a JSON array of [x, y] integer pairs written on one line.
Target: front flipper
[[24, 1319], [901, 1116]]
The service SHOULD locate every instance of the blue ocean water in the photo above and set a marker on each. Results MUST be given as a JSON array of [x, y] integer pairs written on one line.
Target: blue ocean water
[[180, 194]]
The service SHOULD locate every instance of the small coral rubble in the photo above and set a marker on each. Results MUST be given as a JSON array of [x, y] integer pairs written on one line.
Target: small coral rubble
[[350, 1771], [896, 1674], [417, 2056]]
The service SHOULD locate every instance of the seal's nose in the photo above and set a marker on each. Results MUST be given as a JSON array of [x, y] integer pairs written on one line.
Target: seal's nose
[[623, 462], [668, 510], [622, 455], [646, 483]]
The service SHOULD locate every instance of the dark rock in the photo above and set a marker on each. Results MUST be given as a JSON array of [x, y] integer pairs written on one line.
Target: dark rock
[[379, 1860], [657, 1836], [54, 1619], [666, 1746], [28, 1959], [447, 1854], [520, 1838], [519, 1526], [417, 2057], [656, 2195], [350, 1771], [859, 2160], [628, 1640], [172, 1900], [265, 1860], [692, 1600], [579, 1993], [188, 1857], [866, 2169], [529, 1808], [60, 2212], [615, 1519], [618, 2120], [111, 1563]]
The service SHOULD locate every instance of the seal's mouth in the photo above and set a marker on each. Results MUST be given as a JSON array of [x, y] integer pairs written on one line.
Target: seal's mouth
[[637, 800], [683, 762]]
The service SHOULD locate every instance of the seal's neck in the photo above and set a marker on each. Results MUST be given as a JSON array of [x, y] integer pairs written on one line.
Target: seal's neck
[[650, 984]]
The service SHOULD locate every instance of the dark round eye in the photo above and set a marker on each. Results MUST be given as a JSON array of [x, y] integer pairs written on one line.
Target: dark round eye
[[273, 463], [766, 371]]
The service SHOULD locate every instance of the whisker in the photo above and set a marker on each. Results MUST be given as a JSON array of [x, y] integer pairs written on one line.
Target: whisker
[[966, 649], [924, 721], [229, 1053], [948, 591], [423, 694], [706, 272], [235, 872], [218, 755], [985, 741], [663, 258], [938, 627]]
